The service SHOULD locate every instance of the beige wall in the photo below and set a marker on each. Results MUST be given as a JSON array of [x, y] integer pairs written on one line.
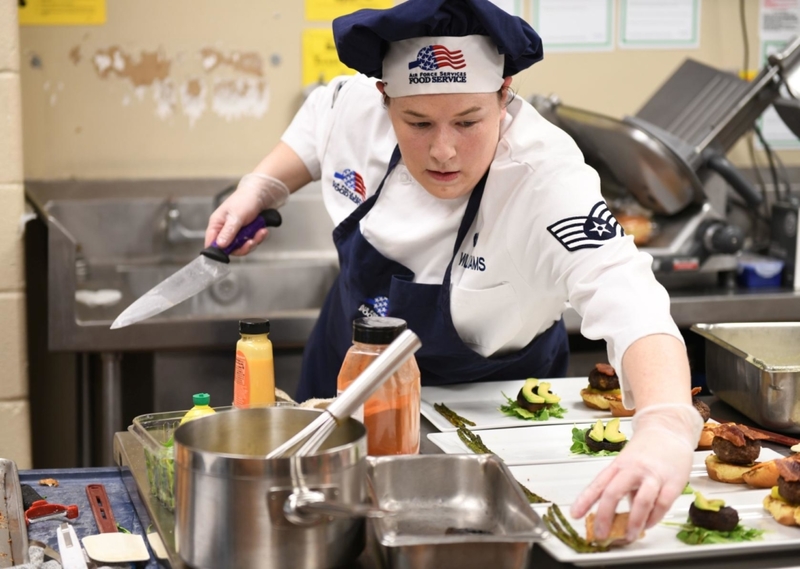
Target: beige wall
[[166, 111], [14, 417]]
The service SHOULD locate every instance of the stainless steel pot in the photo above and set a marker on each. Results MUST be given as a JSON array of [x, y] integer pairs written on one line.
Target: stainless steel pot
[[229, 503]]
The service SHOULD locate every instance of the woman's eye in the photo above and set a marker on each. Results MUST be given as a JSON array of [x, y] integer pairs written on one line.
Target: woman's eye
[[420, 124], [467, 124]]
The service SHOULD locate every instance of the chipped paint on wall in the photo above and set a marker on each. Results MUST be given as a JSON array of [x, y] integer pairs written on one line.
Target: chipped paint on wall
[[237, 98], [166, 97], [193, 99], [150, 67], [75, 54], [249, 63], [176, 82]]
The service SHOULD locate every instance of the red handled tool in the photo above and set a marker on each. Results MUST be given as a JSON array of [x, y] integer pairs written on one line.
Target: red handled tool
[[101, 508], [42, 510]]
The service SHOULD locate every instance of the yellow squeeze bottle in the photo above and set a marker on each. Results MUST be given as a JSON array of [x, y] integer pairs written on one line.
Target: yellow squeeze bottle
[[201, 407], [254, 378]]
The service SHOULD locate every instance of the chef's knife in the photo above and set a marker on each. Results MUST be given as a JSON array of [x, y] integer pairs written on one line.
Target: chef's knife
[[209, 267]]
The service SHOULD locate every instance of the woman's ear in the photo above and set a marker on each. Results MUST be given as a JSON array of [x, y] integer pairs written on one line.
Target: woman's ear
[[382, 89]]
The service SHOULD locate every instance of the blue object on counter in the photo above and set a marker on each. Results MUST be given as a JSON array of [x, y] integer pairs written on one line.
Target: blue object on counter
[[71, 489], [755, 271]]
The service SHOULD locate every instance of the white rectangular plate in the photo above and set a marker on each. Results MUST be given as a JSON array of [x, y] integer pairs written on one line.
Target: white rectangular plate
[[562, 484], [660, 543], [480, 403], [541, 444]]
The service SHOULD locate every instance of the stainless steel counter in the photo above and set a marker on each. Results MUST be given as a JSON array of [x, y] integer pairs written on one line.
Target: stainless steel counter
[[128, 454]]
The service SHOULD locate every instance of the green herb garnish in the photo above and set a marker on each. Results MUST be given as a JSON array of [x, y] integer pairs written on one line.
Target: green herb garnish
[[579, 445], [690, 534], [558, 525], [513, 409], [454, 418]]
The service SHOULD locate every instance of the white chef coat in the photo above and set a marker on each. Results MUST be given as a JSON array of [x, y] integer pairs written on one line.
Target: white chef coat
[[514, 274]]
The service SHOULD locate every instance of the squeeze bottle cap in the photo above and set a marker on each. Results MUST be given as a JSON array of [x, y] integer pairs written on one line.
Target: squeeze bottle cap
[[201, 398], [254, 326]]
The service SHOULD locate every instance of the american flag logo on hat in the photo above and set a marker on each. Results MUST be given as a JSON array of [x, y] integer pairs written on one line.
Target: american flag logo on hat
[[433, 57], [587, 232], [351, 184]]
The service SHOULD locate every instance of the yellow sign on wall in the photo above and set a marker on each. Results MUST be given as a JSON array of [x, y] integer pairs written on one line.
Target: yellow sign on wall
[[62, 12], [320, 60], [330, 9]]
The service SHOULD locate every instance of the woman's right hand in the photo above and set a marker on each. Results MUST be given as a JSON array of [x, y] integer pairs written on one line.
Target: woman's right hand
[[255, 193]]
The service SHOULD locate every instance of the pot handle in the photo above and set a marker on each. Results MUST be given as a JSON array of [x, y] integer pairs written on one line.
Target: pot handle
[[305, 507]]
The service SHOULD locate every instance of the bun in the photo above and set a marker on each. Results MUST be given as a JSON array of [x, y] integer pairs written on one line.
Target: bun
[[618, 530], [763, 475], [724, 472], [783, 512], [707, 436], [597, 399], [618, 409]]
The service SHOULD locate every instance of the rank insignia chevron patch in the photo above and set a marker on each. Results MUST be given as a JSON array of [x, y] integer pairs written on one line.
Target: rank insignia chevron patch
[[587, 232]]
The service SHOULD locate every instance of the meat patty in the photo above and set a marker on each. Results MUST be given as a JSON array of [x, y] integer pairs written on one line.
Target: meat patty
[[790, 491], [603, 377], [702, 408], [732, 454], [726, 519]]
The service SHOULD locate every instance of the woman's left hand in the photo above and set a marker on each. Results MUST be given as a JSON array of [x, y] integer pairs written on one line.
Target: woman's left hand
[[652, 470]]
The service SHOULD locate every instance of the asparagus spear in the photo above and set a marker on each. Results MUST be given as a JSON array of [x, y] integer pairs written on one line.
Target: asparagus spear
[[558, 525], [455, 419]]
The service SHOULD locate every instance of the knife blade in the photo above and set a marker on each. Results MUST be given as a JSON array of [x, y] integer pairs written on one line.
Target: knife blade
[[209, 267]]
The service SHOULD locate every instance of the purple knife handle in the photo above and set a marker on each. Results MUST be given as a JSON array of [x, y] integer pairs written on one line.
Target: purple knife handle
[[267, 218], [245, 234]]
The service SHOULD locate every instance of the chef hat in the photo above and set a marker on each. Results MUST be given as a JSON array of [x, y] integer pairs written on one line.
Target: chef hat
[[437, 46]]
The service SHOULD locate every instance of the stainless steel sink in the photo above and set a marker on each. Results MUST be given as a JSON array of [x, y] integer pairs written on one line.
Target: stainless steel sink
[[129, 244]]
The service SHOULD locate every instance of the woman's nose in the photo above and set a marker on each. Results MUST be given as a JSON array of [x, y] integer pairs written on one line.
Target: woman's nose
[[443, 147]]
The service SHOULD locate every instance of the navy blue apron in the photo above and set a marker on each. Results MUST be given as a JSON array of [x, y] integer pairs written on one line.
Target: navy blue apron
[[368, 282]]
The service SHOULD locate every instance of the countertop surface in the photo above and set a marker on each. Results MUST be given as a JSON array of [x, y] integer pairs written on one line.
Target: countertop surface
[[128, 454]]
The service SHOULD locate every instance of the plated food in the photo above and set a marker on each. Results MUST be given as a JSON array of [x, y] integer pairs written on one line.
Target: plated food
[[616, 535], [603, 390], [783, 501], [600, 439], [736, 449], [711, 521], [534, 402]]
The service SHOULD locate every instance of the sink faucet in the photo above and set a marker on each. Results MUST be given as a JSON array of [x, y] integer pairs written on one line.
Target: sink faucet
[[177, 232]]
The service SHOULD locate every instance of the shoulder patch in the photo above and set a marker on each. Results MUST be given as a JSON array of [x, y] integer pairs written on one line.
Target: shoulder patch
[[587, 232]]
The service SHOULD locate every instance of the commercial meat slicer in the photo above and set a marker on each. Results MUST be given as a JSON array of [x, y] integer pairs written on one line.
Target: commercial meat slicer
[[668, 161]]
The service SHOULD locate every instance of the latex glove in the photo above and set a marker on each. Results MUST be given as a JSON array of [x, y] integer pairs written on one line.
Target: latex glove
[[255, 193], [652, 469]]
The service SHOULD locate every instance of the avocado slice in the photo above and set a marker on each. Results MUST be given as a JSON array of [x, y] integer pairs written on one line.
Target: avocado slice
[[703, 503], [775, 493], [528, 391], [611, 433], [543, 390], [596, 433]]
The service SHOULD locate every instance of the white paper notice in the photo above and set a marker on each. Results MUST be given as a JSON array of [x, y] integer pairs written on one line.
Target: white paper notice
[[779, 23], [574, 25], [659, 24], [510, 6]]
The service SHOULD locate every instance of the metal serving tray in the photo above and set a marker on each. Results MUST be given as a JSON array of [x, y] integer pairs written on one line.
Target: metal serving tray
[[431, 493], [13, 533], [755, 368]]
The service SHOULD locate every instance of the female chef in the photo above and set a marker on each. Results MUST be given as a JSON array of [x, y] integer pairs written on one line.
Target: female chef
[[461, 210]]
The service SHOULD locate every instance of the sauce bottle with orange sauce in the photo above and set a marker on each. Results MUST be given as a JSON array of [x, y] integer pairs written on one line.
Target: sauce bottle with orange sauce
[[391, 414], [254, 375]]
